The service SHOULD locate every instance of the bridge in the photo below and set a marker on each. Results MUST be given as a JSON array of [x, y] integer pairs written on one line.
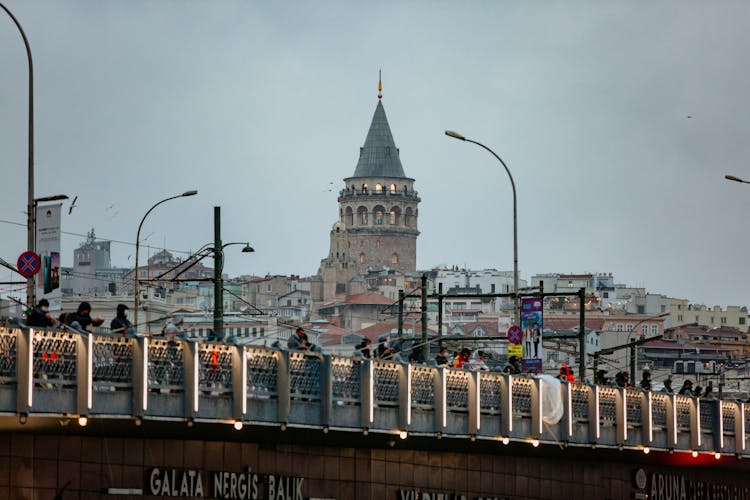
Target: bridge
[[47, 373]]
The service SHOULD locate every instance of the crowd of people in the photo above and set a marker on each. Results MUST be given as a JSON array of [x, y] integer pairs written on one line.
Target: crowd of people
[[81, 321]]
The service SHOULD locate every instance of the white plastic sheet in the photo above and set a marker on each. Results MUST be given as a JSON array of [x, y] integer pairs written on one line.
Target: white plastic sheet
[[552, 400]]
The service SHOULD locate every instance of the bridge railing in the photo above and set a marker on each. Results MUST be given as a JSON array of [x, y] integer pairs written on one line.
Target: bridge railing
[[100, 375]]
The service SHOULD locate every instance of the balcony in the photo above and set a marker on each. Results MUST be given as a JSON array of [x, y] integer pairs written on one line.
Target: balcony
[[51, 373]]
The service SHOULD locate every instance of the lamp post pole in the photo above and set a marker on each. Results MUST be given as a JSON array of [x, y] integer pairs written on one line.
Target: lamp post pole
[[31, 217], [136, 284], [460, 137], [218, 282]]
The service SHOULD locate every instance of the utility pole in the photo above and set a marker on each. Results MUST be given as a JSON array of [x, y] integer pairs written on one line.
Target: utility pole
[[425, 345], [582, 335], [400, 314], [218, 282], [440, 313]]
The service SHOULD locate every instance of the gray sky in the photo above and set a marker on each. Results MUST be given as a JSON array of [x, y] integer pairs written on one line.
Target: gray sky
[[617, 119]]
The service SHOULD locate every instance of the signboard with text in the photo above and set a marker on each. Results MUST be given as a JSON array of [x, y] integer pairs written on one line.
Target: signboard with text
[[531, 325], [48, 248]]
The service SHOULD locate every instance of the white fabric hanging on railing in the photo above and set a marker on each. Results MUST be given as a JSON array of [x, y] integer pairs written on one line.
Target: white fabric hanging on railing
[[552, 401]]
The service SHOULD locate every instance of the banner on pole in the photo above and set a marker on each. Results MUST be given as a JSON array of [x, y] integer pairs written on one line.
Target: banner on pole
[[48, 248], [531, 324]]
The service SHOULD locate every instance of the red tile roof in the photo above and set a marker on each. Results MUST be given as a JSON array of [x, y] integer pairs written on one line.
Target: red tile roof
[[368, 298]]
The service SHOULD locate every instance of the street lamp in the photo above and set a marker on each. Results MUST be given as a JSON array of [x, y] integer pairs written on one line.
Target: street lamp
[[30, 229], [735, 179], [460, 137], [136, 288]]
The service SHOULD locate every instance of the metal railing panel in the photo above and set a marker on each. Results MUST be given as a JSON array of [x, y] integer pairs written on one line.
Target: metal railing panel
[[521, 390], [659, 404], [580, 394], [634, 407], [8, 339], [386, 378], [304, 376], [262, 373], [166, 370], [214, 369], [457, 390], [728, 415], [683, 413], [490, 393], [707, 416], [346, 381], [54, 359], [423, 387], [112, 363], [607, 406]]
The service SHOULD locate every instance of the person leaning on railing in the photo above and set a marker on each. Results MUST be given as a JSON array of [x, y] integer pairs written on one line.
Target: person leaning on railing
[[40, 316]]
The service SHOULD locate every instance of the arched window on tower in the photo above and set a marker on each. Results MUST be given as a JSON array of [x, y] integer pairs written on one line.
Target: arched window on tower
[[406, 189], [392, 189], [378, 188], [349, 217], [379, 213], [362, 258], [408, 217], [364, 188], [395, 216], [362, 216], [394, 259]]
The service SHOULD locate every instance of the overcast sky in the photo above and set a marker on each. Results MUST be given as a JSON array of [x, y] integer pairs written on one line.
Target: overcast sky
[[617, 119]]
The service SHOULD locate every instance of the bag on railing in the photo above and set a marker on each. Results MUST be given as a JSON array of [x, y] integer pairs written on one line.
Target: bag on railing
[[552, 401]]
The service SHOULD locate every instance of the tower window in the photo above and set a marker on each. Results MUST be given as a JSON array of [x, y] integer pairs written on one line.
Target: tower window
[[349, 217], [408, 217], [379, 212], [378, 188], [395, 216], [362, 258], [392, 189], [362, 216], [394, 259], [364, 188]]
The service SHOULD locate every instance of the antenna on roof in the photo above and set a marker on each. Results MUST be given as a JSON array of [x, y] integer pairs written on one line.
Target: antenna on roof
[[380, 85]]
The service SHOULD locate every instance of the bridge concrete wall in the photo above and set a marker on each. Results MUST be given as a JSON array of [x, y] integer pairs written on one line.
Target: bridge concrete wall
[[38, 466]]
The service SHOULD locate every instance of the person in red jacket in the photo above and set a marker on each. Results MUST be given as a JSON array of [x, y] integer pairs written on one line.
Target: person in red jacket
[[566, 374], [462, 359]]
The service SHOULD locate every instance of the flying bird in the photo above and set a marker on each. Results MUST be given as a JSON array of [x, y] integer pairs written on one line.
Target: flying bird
[[72, 205]]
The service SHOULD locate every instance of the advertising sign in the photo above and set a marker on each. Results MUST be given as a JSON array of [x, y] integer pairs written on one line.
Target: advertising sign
[[48, 248], [531, 324]]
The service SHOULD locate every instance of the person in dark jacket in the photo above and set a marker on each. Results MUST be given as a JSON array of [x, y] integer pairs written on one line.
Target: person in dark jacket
[[121, 323], [81, 320], [687, 388], [646, 380], [40, 316], [443, 357]]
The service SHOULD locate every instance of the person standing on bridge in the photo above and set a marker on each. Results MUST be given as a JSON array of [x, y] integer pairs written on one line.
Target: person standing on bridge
[[687, 388], [646, 380]]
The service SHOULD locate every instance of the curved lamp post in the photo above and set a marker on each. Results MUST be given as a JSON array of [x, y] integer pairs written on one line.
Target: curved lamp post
[[136, 287], [736, 179], [30, 226], [460, 137]]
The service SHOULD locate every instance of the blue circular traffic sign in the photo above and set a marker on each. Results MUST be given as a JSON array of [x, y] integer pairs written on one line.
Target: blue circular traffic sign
[[515, 335], [28, 264]]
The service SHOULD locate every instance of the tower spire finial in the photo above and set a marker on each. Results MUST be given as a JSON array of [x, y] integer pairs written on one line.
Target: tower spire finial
[[380, 85]]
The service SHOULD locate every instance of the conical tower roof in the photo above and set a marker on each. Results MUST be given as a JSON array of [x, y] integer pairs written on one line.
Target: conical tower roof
[[379, 156]]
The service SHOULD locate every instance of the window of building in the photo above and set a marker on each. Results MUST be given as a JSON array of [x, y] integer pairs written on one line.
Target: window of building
[[492, 288], [378, 217], [392, 189], [362, 258], [362, 216], [395, 216], [723, 320], [663, 308], [644, 329], [364, 188], [378, 188], [742, 320], [255, 332], [394, 259], [288, 302], [679, 317], [654, 329], [269, 287], [619, 328], [629, 328], [605, 295], [349, 216]]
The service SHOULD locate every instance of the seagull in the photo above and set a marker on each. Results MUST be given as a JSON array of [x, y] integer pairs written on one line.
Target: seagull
[[72, 205]]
